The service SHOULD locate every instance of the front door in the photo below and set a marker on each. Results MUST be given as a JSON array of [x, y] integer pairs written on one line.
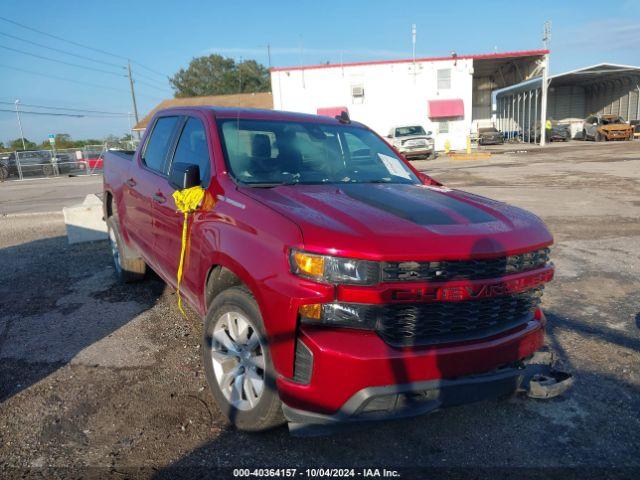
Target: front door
[[192, 148]]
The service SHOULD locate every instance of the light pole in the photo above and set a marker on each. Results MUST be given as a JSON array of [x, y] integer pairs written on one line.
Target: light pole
[[24, 147], [545, 84]]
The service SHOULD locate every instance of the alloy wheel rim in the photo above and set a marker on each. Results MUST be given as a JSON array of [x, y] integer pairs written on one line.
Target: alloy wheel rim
[[238, 360]]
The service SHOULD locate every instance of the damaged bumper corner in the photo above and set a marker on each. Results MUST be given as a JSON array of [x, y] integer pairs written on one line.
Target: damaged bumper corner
[[542, 380]]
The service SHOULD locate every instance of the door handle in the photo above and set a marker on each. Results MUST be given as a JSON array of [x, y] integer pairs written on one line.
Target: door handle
[[131, 182], [159, 198]]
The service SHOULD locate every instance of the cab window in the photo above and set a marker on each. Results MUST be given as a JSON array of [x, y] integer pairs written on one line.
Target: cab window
[[192, 148], [155, 152]]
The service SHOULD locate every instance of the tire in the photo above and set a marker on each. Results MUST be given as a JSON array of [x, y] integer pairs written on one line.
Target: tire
[[239, 370], [584, 135], [4, 173], [598, 137], [128, 268], [47, 170]]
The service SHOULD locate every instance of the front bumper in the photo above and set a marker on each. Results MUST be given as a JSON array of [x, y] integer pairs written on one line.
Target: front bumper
[[416, 152], [534, 375], [346, 362]]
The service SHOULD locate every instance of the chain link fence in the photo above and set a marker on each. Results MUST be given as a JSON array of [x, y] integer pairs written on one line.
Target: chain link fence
[[88, 160]]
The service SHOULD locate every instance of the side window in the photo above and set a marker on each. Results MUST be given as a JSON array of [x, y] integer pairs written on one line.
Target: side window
[[155, 152], [193, 148]]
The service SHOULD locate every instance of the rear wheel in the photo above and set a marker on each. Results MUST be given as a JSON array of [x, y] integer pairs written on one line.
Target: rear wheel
[[4, 173], [237, 362], [128, 268]]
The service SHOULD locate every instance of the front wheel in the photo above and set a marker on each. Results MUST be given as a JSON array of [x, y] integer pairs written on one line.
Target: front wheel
[[237, 362]]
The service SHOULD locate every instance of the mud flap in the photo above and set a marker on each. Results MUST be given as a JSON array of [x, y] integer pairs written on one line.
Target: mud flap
[[541, 380]]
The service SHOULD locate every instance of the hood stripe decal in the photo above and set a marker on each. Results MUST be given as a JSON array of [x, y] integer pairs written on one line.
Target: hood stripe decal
[[417, 204]]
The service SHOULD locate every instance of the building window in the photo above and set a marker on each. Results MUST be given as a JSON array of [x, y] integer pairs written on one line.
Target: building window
[[357, 93], [444, 79], [443, 126]]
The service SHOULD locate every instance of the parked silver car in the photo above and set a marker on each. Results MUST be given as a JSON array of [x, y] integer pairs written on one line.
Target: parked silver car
[[412, 141]]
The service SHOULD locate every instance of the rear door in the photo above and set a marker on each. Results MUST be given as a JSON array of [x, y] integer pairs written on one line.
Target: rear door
[[142, 184], [192, 147]]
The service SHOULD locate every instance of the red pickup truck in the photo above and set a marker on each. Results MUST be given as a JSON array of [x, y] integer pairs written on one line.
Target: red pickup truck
[[336, 282]]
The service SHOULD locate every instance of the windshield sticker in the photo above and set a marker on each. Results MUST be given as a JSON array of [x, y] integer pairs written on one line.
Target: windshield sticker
[[394, 166]]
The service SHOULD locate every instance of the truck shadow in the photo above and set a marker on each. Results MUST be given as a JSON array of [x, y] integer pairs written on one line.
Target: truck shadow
[[57, 300], [557, 425]]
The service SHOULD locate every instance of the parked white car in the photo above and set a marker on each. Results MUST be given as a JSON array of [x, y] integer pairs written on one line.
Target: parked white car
[[412, 141]]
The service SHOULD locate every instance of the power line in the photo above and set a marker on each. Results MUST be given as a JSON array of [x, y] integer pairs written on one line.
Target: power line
[[163, 75], [65, 108], [104, 52], [61, 78], [43, 113], [74, 81], [165, 89], [146, 77], [61, 61], [59, 50]]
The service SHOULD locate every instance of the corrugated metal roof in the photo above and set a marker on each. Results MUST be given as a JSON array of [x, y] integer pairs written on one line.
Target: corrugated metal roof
[[262, 100]]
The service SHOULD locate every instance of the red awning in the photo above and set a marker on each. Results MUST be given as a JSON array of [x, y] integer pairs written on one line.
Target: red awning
[[332, 111], [446, 108]]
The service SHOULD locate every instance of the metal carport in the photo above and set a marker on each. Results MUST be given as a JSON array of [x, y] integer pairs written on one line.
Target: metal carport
[[605, 88]]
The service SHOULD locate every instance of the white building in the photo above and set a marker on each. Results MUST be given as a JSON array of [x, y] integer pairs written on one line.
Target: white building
[[446, 95]]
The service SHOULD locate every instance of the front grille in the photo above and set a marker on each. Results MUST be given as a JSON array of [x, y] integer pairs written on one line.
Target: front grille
[[431, 323], [464, 269]]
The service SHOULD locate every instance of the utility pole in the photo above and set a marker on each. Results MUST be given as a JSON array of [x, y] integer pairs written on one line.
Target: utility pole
[[24, 147], [413, 42], [269, 54], [546, 40], [413, 50], [133, 96]]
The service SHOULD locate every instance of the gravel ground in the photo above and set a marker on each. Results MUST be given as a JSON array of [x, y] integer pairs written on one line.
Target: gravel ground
[[107, 377]]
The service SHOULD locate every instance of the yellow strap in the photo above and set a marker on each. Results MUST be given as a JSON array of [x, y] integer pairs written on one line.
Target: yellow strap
[[187, 201]]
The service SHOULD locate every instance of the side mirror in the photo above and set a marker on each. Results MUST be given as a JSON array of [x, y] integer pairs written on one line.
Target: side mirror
[[184, 175]]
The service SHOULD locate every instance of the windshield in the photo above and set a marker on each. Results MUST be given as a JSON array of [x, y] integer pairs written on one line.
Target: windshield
[[612, 120], [268, 153], [406, 131]]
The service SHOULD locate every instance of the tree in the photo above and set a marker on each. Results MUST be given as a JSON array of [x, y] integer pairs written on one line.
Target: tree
[[217, 75], [63, 140], [17, 144]]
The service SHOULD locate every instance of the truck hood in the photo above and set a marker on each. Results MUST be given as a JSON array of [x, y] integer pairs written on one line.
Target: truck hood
[[616, 126], [401, 222]]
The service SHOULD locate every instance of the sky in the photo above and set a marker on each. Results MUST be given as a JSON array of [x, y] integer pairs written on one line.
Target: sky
[[161, 36]]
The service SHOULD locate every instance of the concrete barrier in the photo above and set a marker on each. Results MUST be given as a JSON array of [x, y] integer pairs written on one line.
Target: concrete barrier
[[84, 222]]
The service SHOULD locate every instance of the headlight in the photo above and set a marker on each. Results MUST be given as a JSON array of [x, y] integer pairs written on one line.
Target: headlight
[[336, 270], [350, 315]]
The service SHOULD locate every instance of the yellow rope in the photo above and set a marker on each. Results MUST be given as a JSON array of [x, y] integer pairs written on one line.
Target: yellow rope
[[187, 201]]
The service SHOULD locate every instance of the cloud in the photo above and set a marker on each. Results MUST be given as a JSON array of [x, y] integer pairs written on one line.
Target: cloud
[[604, 36]]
